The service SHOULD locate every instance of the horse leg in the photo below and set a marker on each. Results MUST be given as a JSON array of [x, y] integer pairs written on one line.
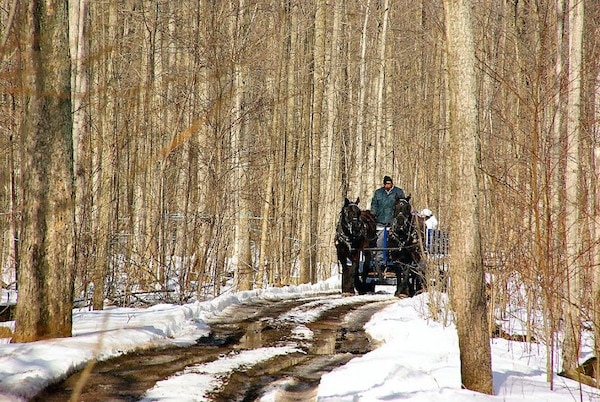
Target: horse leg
[[365, 273], [402, 282], [412, 283], [417, 274], [358, 283], [347, 285], [347, 279]]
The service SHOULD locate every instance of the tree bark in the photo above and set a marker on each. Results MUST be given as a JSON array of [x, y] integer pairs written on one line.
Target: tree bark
[[361, 140], [381, 165], [47, 266], [572, 342], [468, 293], [319, 121], [596, 235], [596, 225], [244, 274], [81, 152]]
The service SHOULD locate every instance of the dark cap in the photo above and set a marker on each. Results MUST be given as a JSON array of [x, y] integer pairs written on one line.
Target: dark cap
[[387, 179]]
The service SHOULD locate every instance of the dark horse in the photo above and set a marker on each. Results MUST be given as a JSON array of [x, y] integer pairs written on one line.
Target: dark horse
[[406, 235], [355, 231]]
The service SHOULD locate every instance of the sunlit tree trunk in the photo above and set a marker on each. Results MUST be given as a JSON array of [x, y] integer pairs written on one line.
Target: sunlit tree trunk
[[468, 295], [47, 269], [555, 201], [380, 160], [311, 148], [332, 194], [264, 250], [572, 342], [319, 122], [288, 198], [360, 186], [244, 277], [99, 193], [81, 138], [596, 224], [9, 174]]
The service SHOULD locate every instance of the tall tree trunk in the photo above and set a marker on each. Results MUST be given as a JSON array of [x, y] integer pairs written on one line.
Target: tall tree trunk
[[572, 342], [333, 183], [14, 224], [46, 272], [244, 275], [81, 151], [556, 204], [312, 101], [596, 227], [468, 294], [317, 139], [288, 197], [361, 141], [381, 164], [102, 219], [264, 251]]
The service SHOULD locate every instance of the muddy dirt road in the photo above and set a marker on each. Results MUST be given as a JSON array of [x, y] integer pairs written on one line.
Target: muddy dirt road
[[325, 332]]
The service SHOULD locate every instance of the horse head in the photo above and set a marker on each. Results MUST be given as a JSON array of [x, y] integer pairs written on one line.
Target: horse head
[[400, 226], [351, 223]]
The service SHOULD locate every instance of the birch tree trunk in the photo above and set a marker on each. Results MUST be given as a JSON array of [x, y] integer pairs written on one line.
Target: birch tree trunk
[[468, 293], [47, 266]]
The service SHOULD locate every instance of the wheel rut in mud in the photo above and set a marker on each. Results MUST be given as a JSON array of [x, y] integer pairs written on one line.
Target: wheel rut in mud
[[330, 339]]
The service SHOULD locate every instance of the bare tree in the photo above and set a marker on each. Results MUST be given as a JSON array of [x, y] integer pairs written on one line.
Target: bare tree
[[186, 98], [81, 153], [244, 275], [596, 227], [318, 130], [47, 266], [381, 147], [572, 342], [468, 286]]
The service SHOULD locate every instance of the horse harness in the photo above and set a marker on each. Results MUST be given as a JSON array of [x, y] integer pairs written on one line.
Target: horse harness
[[351, 228], [406, 227]]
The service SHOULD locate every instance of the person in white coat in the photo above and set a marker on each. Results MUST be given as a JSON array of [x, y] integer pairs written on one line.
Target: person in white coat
[[431, 221], [431, 224]]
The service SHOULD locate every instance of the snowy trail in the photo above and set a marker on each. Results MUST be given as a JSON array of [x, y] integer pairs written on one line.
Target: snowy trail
[[417, 358], [299, 338], [202, 380]]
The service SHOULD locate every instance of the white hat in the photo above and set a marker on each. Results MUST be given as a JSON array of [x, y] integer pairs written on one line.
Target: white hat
[[426, 212]]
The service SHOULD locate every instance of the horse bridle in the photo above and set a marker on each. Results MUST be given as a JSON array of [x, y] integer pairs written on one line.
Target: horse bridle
[[346, 231], [353, 222], [405, 227]]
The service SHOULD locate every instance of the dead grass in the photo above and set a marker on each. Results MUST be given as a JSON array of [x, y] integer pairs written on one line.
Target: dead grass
[[5, 332]]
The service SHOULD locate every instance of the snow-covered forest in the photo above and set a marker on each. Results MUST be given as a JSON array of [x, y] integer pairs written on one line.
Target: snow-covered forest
[[217, 140]]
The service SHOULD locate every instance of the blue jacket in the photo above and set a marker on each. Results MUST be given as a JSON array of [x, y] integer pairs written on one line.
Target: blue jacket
[[382, 204]]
